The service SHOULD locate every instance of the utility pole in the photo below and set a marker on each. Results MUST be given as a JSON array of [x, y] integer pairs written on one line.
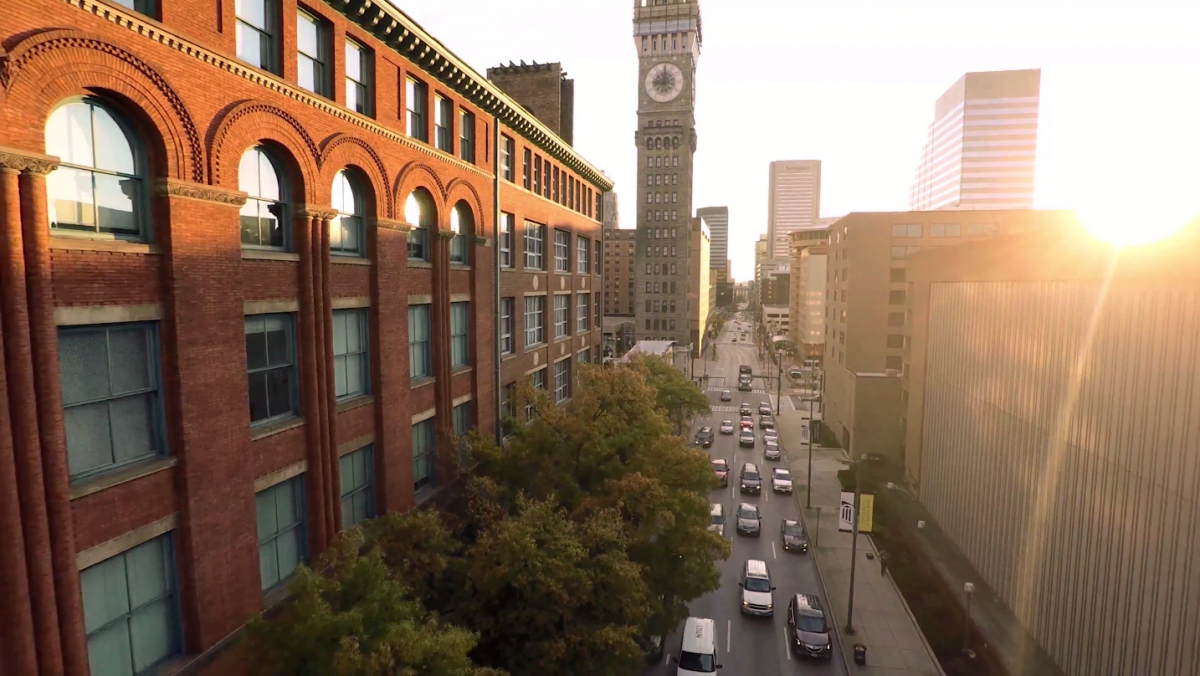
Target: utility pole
[[808, 497], [853, 551], [778, 386]]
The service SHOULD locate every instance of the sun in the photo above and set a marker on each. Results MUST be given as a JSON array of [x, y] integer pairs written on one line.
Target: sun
[[1133, 224]]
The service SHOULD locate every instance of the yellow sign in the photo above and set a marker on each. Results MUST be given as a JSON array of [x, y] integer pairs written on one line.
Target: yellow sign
[[866, 512]]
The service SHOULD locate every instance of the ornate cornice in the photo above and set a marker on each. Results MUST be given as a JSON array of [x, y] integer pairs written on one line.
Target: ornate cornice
[[389, 224], [171, 187], [310, 211], [444, 235], [22, 160]]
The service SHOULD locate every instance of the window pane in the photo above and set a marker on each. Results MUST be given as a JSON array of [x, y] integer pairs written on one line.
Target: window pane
[[279, 391], [268, 565], [353, 62], [113, 151], [89, 444], [306, 73], [130, 360], [268, 523], [353, 100], [71, 199], [148, 569], [132, 427], [278, 348], [249, 45], [115, 197], [69, 134], [105, 596], [109, 652], [83, 365], [151, 629], [288, 551], [252, 12], [248, 173], [306, 35]]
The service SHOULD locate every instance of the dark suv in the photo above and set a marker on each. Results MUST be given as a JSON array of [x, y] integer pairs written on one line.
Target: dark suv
[[705, 437], [808, 632], [751, 478]]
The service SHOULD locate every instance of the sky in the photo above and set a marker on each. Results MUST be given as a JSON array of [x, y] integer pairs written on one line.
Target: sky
[[853, 82]]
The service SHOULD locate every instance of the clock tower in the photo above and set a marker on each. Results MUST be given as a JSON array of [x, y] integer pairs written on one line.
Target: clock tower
[[666, 34]]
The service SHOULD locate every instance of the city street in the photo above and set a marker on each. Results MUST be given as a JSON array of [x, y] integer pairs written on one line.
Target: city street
[[750, 646]]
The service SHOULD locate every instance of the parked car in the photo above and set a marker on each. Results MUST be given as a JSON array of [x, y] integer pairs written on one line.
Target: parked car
[[721, 469], [808, 632], [781, 480], [751, 478], [726, 427], [726, 395], [764, 408], [718, 519], [705, 436], [794, 537], [746, 439], [749, 522], [771, 450]]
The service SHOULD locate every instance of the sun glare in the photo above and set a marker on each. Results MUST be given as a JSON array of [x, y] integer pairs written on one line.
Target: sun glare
[[1131, 225]]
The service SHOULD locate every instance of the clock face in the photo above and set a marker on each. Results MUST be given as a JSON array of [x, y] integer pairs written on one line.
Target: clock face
[[664, 82]]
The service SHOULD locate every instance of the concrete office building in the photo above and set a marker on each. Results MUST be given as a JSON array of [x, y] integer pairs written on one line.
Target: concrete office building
[[702, 296], [717, 220], [807, 302], [619, 295], [1052, 388], [667, 38], [793, 203], [609, 215], [864, 306], [982, 144]]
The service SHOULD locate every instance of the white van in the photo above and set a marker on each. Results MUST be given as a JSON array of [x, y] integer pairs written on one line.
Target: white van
[[699, 652]]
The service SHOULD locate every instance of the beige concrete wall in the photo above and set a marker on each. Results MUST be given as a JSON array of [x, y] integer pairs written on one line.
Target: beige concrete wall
[[1065, 462]]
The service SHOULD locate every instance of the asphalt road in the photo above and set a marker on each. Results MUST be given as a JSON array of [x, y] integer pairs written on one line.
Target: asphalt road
[[750, 646]]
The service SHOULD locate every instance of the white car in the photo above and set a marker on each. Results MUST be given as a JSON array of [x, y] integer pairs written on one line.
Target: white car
[[726, 427], [770, 435], [771, 450], [717, 524], [781, 480]]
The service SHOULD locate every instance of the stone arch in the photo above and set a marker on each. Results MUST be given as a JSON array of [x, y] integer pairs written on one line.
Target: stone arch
[[248, 123], [462, 190], [57, 64], [418, 175], [342, 151]]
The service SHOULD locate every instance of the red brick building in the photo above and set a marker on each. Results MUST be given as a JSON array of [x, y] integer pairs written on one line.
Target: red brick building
[[249, 294]]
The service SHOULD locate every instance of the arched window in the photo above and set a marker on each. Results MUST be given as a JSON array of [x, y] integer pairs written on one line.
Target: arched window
[[461, 222], [265, 212], [98, 186], [658, 144], [346, 229], [419, 213]]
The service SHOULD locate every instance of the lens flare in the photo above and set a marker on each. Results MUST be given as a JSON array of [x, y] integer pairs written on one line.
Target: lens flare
[[1132, 225]]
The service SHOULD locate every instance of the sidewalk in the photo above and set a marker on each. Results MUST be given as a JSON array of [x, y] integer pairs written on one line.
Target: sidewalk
[[882, 620]]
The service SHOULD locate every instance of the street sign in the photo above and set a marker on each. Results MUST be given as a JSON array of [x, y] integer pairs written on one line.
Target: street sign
[[846, 513]]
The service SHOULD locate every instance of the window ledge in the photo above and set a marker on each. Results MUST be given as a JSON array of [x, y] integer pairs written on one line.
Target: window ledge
[[534, 348], [420, 382], [274, 428], [419, 264], [261, 255], [563, 339], [508, 355], [357, 401], [337, 259], [464, 267], [80, 243], [95, 484], [461, 370]]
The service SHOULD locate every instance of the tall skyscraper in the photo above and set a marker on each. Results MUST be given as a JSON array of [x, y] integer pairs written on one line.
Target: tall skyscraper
[[794, 202], [667, 37], [981, 147], [717, 220]]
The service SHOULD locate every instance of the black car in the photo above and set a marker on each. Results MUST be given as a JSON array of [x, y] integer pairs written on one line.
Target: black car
[[764, 408], [794, 537], [705, 436], [726, 395], [749, 522], [751, 478], [746, 439], [745, 409], [808, 631], [766, 422]]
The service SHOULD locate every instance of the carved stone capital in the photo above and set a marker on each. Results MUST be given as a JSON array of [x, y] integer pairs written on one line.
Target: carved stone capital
[[483, 241], [25, 161], [389, 224], [444, 235], [311, 211], [172, 187]]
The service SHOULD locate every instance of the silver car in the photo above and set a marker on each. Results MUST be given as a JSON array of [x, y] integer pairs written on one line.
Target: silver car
[[771, 450], [781, 480]]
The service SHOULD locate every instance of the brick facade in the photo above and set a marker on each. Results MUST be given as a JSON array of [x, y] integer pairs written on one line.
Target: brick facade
[[193, 110]]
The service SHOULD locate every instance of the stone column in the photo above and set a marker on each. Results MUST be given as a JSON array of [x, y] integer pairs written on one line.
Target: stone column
[[18, 647], [333, 515], [310, 381], [389, 308], [444, 467]]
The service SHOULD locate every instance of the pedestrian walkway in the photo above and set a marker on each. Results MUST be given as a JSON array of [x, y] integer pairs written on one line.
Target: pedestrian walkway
[[881, 620]]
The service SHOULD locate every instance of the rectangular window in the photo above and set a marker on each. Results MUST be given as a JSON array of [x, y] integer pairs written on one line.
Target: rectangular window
[[562, 314], [562, 381], [506, 406], [112, 410], [312, 53], [538, 380], [357, 474], [525, 169], [895, 340], [897, 275], [146, 7], [442, 111], [415, 95], [895, 298], [895, 319], [422, 454], [554, 185], [130, 609], [506, 325], [271, 367], [897, 252], [583, 257], [461, 418], [351, 361], [596, 261], [596, 309], [535, 236], [460, 323], [535, 328], [506, 240], [562, 251], [418, 243], [420, 357], [582, 312], [506, 153], [546, 178], [894, 363], [282, 537], [256, 29], [466, 136], [358, 78], [537, 175]]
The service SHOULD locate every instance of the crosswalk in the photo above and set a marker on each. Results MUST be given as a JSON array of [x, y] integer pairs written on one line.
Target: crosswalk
[[722, 389], [724, 409]]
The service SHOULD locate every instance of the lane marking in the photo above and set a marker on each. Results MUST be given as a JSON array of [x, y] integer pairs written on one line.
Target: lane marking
[[773, 554], [728, 636], [787, 647]]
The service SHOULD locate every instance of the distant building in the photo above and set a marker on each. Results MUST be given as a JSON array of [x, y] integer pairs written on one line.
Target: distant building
[[544, 90], [609, 215], [717, 220], [702, 295], [1050, 395], [807, 302], [982, 144], [864, 337], [793, 203]]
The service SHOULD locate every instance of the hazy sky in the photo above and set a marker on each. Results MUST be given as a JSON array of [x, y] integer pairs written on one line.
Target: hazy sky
[[852, 83]]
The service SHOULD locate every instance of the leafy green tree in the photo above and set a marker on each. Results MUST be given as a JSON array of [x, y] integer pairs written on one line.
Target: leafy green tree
[[355, 619], [677, 396]]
